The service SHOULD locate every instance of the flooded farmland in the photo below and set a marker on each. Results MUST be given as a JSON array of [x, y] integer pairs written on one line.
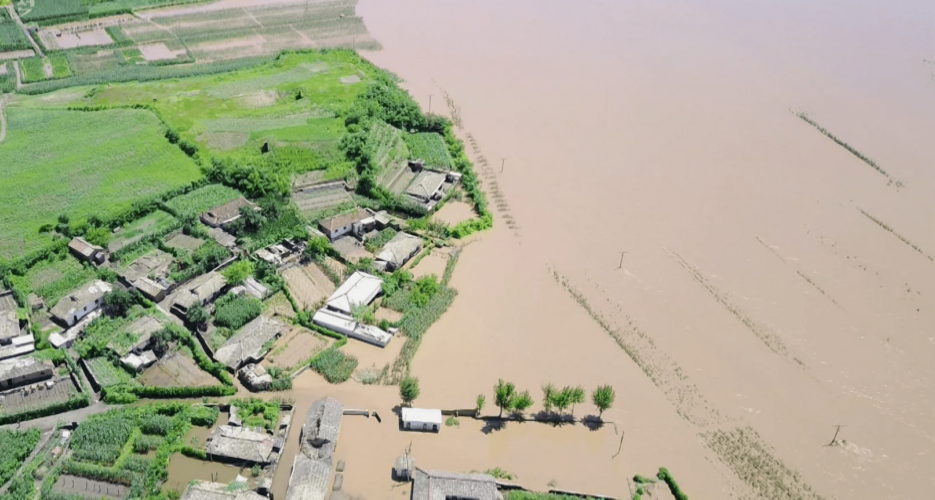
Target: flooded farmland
[[689, 236]]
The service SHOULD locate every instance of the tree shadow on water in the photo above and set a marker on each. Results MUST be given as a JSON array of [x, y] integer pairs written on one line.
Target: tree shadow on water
[[493, 424], [593, 422]]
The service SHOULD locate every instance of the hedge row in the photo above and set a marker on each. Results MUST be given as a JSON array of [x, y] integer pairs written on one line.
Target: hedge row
[[673, 486], [74, 402]]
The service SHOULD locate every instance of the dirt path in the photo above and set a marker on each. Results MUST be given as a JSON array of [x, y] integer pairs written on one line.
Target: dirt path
[[49, 422], [19, 77], [3, 100], [16, 18]]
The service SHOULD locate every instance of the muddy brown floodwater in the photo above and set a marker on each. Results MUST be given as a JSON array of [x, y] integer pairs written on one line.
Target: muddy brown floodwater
[[772, 284]]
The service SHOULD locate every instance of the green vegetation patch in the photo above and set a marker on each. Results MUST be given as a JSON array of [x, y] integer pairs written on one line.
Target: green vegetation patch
[[156, 223], [11, 36], [53, 279], [201, 200], [231, 311], [334, 365], [60, 67], [33, 69], [106, 373], [16, 446], [430, 147], [106, 161], [98, 8], [256, 412], [51, 11]]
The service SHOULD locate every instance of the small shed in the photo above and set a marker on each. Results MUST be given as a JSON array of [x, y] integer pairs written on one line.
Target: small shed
[[404, 467], [421, 419], [85, 251]]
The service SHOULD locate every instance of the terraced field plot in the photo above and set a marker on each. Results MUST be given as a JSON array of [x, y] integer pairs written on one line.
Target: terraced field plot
[[232, 30], [52, 280], [311, 201], [106, 374], [308, 285], [429, 147], [109, 160], [201, 200], [390, 152], [11, 37], [176, 370]]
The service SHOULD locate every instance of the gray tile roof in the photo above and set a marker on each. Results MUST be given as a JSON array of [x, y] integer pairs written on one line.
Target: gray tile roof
[[80, 298], [426, 184], [400, 249], [240, 443], [311, 469], [15, 368], [438, 485], [247, 344]]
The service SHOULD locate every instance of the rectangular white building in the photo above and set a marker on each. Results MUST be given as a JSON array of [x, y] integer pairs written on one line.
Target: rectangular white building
[[420, 419]]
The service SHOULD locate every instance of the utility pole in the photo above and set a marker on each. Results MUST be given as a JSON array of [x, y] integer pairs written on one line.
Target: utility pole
[[430, 103], [502, 163], [834, 440], [621, 258]]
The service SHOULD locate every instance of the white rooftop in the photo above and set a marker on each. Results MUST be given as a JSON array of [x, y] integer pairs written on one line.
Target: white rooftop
[[360, 288], [422, 415]]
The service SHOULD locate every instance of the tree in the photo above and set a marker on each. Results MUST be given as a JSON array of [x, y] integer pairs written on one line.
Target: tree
[[236, 273], [161, 340], [576, 396], [99, 236], [548, 395], [317, 245], [362, 314], [481, 400], [409, 389], [562, 399], [603, 398], [197, 315], [117, 303], [504, 395], [522, 402]]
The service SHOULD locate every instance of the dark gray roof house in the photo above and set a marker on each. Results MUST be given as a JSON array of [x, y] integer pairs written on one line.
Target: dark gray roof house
[[438, 485], [311, 469], [226, 213], [247, 345], [86, 251], [239, 444]]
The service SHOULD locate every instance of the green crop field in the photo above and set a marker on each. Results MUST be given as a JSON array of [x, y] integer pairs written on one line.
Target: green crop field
[[11, 36], [99, 8], [33, 69], [201, 200], [157, 222], [59, 66], [106, 373], [51, 280], [429, 147], [50, 11], [106, 161]]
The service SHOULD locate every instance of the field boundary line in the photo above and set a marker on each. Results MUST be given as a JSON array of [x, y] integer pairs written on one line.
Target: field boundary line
[[3, 100]]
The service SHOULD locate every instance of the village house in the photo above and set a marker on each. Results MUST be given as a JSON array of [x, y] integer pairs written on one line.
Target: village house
[[24, 371], [84, 251], [255, 377], [198, 490], [222, 237], [437, 485], [240, 445], [247, 346], [65, 339], [76, 305], [397, 252], [279, 254], [200, 291], [420, 419], [427, 186], [357, 221], [311, 468], [337, 314], [18, 346], [148, 274], [226, 213], [10, 327]]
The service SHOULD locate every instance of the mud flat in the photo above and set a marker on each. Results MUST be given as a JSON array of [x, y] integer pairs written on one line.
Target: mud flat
[[681, 164]]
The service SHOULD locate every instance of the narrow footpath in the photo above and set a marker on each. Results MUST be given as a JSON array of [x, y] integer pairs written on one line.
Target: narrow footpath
[[22, 26], [3, 100]]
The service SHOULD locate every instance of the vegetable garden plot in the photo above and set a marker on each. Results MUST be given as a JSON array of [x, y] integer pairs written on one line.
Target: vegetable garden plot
[[106, 374], [11, 36], [201, 200], [157, 222], [52, 280], [50, 11], [16, 446], [430, 147]]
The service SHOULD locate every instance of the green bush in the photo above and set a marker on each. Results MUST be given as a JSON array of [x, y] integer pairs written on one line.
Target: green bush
[[233, 312], [664, 475], [334, 365]]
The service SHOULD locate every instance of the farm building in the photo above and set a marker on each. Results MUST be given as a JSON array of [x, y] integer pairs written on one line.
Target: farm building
[[79, 303], [200, 290], [141, 361], [438, 485], [345, 325], [427, 186], [148, 273], [222, 237], [312, 466], [65, 339], [9, 322], [419, 419], [85, 251], [360, 289], [35, 302], [247, 346], [397, 252], [356, 221], [18, 346], [150, 289], [226, 213], [218, 491], [282, 253], [255, 377], [251, 287], [238, 444], [23, 371]]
